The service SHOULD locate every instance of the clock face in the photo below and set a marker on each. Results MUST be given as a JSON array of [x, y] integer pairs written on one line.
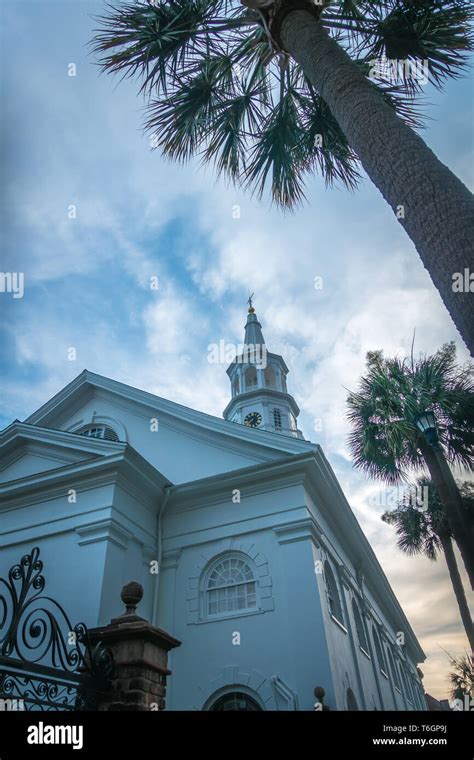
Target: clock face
[[253, 419]]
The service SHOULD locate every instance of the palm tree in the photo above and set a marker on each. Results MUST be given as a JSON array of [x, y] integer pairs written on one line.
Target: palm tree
[[278, 89], [426, 531], [385, 441], [461, 677]]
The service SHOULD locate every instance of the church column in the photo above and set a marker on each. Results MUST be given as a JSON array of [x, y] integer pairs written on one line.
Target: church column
[[306, 632]]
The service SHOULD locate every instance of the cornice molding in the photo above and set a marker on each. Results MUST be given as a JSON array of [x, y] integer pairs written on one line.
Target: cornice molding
[[170, 559], [245, 396], [300, 530], [104, 530], [123, 468], [249, 480], [22, 433], [258, 438]]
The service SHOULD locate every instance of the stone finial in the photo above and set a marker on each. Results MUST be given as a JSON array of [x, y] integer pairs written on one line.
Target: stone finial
[[132, 594], [319, 694]]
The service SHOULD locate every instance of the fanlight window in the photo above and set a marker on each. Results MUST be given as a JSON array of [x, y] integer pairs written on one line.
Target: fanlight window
[[230, 587], [104, 432], [351, 700], [235, 701]]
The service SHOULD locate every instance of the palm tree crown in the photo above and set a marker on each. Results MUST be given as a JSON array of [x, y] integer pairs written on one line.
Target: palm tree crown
[[219, 86], [419, 529], [461, 677], [385, 440]]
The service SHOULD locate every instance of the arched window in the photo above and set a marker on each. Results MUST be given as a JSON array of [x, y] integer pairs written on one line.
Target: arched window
[[277, 419], [395, 677], [250, 378], [334, 599], [105, 432], [419, 695], [410, 691], [235, 701], [351, 700], [270, 378], [230, 587], [379, 651], [360, 627]]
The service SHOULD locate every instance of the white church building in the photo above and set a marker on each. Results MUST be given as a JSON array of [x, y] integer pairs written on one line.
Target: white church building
[[237, 528]]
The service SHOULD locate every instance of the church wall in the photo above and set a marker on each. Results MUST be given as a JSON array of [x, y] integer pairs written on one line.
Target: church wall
[[130, 549], [285, 638], [72, 571], [176, 454], [351, 668], [90, 548]]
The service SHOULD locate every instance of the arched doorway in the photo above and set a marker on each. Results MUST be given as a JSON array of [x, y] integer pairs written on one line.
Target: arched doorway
[[235, 701], [351, 700]]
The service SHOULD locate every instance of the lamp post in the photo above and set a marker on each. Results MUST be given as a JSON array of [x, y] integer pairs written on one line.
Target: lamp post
[[445, 484], [426, 424]]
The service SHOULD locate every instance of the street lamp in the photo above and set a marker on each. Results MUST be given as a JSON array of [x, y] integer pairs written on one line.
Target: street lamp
[[448, 491], [426, 424]]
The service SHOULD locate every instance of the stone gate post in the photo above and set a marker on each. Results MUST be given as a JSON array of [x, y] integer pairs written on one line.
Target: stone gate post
[[140, 652]]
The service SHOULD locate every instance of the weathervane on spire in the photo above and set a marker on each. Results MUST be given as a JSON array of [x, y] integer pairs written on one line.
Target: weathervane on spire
[[250, 303]]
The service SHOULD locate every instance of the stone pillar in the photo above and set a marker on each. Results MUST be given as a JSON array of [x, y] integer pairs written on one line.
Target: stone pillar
[[140, 652]]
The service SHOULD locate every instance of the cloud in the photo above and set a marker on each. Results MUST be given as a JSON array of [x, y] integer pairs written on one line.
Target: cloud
[[79, 141]]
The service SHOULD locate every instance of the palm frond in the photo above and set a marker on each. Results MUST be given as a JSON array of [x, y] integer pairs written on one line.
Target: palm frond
[[155, 40], [278, 156], [217, 88], [435, 31], [384, 437]]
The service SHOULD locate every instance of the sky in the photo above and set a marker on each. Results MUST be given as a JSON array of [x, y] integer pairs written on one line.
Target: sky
[[77, 141]]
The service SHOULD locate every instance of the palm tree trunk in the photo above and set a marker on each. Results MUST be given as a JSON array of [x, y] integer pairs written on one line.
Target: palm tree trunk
[[448, 550], [431, 203], [453, 507]]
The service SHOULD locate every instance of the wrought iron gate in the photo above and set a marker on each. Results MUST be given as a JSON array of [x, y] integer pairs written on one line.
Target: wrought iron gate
[[45, 662]]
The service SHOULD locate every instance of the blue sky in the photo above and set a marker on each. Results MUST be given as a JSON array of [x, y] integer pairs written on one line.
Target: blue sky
[[78, 140]]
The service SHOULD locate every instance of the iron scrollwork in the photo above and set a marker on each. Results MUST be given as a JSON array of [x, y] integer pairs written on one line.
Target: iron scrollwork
[[45, 661]]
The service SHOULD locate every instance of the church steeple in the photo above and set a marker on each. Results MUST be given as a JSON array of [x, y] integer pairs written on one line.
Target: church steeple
[[253, 330], [258, 381]]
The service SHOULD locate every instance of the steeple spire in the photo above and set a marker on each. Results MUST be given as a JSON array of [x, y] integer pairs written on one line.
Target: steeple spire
[[258, 380], [253, 328]]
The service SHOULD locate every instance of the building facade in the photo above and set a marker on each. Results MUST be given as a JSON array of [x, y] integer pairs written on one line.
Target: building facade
[[237, 528]]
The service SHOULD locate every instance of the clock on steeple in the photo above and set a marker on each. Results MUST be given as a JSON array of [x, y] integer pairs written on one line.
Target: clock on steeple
[[253, 419]]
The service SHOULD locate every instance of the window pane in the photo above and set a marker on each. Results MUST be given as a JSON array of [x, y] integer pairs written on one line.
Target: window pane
[[231, 587]]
